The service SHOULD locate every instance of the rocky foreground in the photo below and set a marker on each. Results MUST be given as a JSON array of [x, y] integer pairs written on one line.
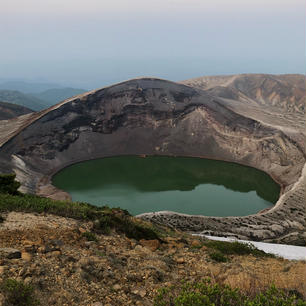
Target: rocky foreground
[[53, 255]]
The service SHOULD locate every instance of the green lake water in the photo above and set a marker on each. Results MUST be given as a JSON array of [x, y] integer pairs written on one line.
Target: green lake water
[[180, 184]]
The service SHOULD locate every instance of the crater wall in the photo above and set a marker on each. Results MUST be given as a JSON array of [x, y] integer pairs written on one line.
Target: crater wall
[[156, 117]]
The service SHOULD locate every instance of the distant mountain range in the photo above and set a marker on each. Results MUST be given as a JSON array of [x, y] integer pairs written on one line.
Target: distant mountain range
[[27, 87], [55, 95], [36, 96], [17, 97]]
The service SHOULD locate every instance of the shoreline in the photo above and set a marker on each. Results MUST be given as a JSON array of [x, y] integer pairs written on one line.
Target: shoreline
[[47, 189]]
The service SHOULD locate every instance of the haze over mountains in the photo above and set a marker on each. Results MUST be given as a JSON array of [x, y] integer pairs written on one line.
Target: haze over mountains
[[36, 96], [19, 98], [26, 86], [55, 95]]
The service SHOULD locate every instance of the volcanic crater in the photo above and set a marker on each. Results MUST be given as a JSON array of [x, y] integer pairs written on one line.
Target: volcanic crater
[[253, 120]]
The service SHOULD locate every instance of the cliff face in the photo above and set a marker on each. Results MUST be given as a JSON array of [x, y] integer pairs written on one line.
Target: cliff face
[[158, 117]]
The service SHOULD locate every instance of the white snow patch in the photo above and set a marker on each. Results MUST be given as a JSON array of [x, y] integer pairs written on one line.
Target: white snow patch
[[286, 251]]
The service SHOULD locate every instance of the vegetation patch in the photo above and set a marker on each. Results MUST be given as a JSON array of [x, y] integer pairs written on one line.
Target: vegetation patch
[[235, 248], [217, 256], [8, 184], [32, 203], [90, 236], [220, 250], [105, 218], [206, 293], [18, 294], [126, 224]]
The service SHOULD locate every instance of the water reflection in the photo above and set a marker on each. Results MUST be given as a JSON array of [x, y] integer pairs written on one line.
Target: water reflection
[[155, 183]]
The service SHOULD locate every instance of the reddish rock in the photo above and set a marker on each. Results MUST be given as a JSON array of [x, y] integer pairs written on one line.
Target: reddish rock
[[153, 245]]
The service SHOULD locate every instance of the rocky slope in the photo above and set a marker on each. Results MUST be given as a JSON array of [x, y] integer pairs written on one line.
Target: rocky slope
[[9, 110], [52, 255], [151, 116], [282, 91]]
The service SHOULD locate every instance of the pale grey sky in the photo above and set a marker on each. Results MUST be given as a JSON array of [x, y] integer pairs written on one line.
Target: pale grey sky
[[91, 43], [49, 7]]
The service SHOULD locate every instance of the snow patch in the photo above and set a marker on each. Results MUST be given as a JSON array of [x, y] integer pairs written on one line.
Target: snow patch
[[286, 251]]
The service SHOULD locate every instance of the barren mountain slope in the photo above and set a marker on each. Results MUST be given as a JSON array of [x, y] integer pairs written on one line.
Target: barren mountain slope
[[274, 100], [282, 91]]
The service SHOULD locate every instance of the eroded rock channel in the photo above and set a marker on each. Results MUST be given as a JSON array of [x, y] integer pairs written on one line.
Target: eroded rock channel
[[156, 117]]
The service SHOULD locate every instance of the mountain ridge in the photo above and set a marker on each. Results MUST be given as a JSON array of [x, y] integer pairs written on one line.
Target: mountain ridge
[[25, 100], [55, 95], [285, 91]]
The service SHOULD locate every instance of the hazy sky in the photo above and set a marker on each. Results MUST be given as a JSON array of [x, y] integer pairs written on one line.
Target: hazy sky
[[90, 43]]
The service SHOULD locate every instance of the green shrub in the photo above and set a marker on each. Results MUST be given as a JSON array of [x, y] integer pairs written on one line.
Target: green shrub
[[274, 296], [124, 224], [235, 248], [218, 256], [104, 225], [18, 294], [8, 184], [205, 293], [107, 218], [90, 236], [115, 218], [32, 203]]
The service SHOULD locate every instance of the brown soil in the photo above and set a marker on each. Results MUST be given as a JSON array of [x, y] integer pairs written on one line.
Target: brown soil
[[66, 269]]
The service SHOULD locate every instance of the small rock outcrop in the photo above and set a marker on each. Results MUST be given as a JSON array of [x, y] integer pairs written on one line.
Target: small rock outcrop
[[9, 253]]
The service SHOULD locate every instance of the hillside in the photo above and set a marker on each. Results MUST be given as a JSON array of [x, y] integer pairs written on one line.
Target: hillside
[[37, 100], [150, 116], [287, 92], [64, 268], [10, 110], [17, 97], [102, 256]]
